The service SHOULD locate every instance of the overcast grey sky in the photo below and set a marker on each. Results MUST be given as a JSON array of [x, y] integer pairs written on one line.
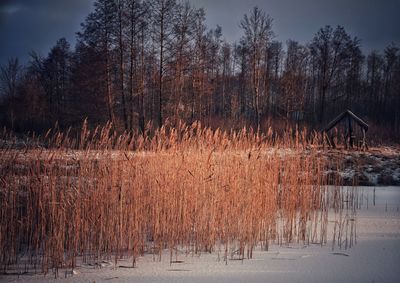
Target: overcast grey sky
[[27, 25], [36, 25]]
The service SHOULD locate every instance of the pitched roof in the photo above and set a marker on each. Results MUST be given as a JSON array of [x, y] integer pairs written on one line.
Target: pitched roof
[[343, 115]]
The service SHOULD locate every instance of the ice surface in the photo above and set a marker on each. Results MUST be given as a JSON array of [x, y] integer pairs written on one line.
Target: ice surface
[[375, 257]]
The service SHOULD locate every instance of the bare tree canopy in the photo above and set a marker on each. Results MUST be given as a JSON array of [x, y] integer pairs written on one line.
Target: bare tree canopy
[[139, 63]]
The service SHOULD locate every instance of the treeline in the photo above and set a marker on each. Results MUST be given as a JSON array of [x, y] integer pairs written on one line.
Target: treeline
[[137, 62]]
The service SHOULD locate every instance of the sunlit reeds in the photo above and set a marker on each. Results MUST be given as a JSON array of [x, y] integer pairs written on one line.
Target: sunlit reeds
[[101, 195]]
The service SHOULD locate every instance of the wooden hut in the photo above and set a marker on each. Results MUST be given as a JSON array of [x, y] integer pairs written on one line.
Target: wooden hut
[[349, 118]]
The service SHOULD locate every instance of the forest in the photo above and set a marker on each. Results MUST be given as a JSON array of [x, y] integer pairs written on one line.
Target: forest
[[138, 63]]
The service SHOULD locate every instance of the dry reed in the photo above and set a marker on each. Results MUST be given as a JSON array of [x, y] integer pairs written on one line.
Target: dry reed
[[102, 195]]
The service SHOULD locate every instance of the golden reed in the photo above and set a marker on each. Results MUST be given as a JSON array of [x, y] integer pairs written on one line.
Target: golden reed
[[101, 195]]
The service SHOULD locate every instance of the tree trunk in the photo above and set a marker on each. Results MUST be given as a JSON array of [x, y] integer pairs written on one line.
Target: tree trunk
[[160, 94], [121, 68], [141, 98]]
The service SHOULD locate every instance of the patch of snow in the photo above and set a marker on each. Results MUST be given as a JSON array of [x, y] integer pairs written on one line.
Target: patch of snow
[[369, 169], [396, 175], [372, 177], [347, 173]]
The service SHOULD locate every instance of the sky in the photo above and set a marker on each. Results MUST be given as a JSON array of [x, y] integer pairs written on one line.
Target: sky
[[375, 22], [35, 25]]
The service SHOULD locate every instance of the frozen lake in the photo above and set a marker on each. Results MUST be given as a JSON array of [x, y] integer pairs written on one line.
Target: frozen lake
[[374, 258]]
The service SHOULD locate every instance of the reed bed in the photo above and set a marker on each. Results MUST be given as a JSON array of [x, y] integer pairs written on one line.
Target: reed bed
[[101, 195]]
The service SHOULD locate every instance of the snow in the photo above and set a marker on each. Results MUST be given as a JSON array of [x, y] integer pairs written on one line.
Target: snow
[[347, 173], [377, 166], [396, 174], [374, 258], [372, 177]]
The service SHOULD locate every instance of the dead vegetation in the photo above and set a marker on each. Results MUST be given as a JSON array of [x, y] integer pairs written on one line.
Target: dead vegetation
[[103, 195]]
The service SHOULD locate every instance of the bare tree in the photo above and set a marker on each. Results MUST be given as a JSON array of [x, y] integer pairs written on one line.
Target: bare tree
[[294, 79], [120, 43], [181, 45], [137, 28], [330, 48], [163, 14], [9, 79], [56, 75], [257, 32], [97, 33], [198, 66]]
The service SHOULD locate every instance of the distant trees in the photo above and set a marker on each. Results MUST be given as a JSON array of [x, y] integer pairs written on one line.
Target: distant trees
[[330, 49], [141, 61], [383, 86], [294, 81], [9, 83], [98, 35], [55, 78]]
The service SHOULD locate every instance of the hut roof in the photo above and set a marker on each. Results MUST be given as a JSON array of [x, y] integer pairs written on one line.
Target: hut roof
[[342, 116]]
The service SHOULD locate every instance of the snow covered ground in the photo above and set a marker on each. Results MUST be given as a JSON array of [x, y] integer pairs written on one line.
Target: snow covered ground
[[374, 258], [379, 166]]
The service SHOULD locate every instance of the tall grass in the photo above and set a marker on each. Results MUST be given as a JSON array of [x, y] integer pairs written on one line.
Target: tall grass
[[101, 195]]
